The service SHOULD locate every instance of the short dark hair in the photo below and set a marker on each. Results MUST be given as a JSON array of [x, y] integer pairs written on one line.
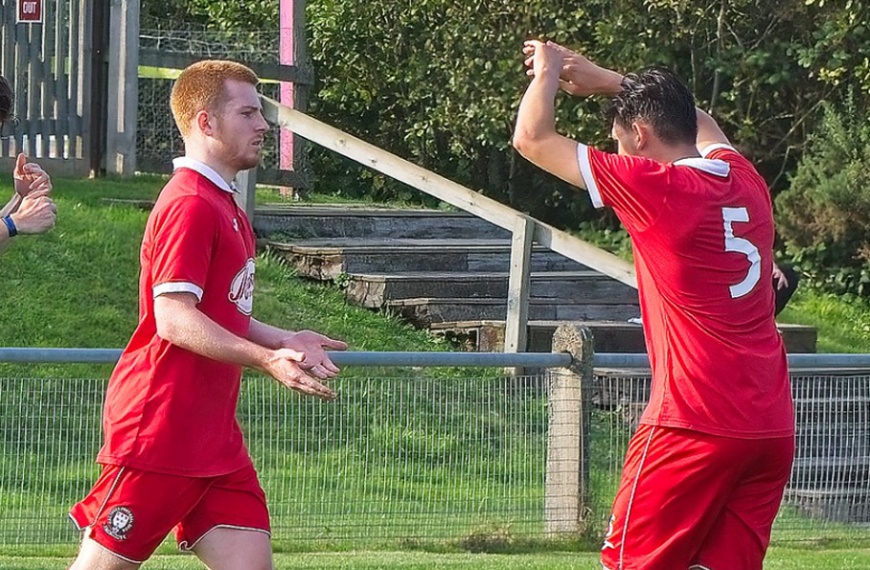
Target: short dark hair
[[5, 99], [658, 97]]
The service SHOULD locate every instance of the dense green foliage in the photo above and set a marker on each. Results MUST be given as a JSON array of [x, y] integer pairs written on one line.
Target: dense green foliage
[[438, 82], [824, 218]]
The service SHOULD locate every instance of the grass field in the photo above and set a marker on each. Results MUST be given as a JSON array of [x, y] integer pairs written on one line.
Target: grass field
[[777, 559], [76, 287]]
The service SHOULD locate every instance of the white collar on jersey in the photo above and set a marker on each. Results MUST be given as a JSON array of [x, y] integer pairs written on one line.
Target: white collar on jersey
[[710, 166], [205, 170]]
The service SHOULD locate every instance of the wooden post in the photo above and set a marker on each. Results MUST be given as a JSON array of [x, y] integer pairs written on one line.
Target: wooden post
[[516, 323], [293, 94], [246, 180], [123, 97], [99, 86], [567, 487]]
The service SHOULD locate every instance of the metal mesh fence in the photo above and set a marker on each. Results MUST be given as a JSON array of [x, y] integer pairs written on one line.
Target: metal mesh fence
[[393, 461], [421, 459], [828, 496], [157, 139]]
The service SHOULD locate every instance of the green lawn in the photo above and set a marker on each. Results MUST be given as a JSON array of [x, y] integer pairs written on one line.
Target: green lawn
[[777, 559]]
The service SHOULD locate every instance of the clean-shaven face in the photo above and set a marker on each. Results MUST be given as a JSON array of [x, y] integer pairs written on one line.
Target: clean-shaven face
[[239, 126]]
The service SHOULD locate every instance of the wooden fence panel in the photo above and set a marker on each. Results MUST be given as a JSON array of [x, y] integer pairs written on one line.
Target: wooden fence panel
[[47, 64]]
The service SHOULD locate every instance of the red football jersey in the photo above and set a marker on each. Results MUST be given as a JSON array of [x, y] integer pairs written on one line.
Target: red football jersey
[[702, 234], [167, 409]]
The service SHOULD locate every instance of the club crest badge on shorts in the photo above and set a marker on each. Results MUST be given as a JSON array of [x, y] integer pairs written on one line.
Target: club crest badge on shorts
[[119, 523]]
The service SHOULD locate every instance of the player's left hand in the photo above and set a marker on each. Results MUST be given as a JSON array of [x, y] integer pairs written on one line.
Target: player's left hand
[[542, 58], [314, 346], [29, 177]]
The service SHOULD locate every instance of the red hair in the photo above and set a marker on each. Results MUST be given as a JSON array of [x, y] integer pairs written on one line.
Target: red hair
[[200, 87]]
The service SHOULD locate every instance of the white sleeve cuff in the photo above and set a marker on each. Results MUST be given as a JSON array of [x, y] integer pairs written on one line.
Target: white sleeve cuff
[[586, 174], [716, 146], [177, 287]]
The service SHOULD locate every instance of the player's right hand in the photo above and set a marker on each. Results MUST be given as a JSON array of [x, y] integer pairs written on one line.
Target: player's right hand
[[579, 76], [37, 213], [284, 366]]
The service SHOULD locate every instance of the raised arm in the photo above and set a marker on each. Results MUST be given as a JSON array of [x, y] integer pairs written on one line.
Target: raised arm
[[535, 136], [709, 132]]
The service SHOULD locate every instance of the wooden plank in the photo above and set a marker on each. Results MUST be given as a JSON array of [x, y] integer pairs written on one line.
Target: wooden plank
[[273, 71], [123, 87], [19, 85], [47, 87], [426, 312], [444, 189], [556, 287], [8, 33], [62, 107], [81, 72], [246, 184], [55, 166], [519, 285]]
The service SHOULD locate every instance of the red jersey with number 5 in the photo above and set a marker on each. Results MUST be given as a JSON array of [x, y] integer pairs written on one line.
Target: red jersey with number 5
[[702, 235]]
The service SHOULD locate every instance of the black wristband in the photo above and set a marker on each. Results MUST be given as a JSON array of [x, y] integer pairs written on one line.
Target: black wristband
[[10, 226]]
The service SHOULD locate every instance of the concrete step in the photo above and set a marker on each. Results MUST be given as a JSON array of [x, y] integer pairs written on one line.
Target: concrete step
[[608, 336], [328, 258], [551, 287], [308, 222], [425, 312]]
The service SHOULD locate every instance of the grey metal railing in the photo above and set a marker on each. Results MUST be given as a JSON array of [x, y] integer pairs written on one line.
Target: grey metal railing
[[828, 361]]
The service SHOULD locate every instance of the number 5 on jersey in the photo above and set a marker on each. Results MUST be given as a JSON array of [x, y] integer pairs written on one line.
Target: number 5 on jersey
[[744, 246]]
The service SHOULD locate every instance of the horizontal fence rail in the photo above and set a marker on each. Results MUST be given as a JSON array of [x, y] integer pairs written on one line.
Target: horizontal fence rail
[[831, 361]]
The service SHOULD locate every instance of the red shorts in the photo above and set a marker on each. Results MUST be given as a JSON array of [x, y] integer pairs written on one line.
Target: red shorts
[[129, 512], [694, 500]]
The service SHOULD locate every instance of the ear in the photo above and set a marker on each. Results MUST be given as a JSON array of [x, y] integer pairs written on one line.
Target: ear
[[202, 120], [640, 132]]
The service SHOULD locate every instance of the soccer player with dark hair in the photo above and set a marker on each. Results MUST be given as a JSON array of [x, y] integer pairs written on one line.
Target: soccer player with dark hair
[[706, 469], [31, 209], [173, 455]]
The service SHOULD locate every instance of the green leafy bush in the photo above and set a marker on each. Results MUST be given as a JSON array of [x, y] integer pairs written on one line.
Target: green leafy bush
[[824, 218]]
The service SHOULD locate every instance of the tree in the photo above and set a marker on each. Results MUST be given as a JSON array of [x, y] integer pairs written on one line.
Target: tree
[[825, 215]]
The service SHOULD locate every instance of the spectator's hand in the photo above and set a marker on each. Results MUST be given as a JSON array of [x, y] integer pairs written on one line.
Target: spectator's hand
[[29, 177], [36, 214], [578, 76], [780, 281], [285, 366], [314, 345]]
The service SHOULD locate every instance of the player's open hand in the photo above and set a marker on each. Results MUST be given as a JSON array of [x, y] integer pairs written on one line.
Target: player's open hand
[[29, 177], [36, 214], [285, 367], [314, 346]]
